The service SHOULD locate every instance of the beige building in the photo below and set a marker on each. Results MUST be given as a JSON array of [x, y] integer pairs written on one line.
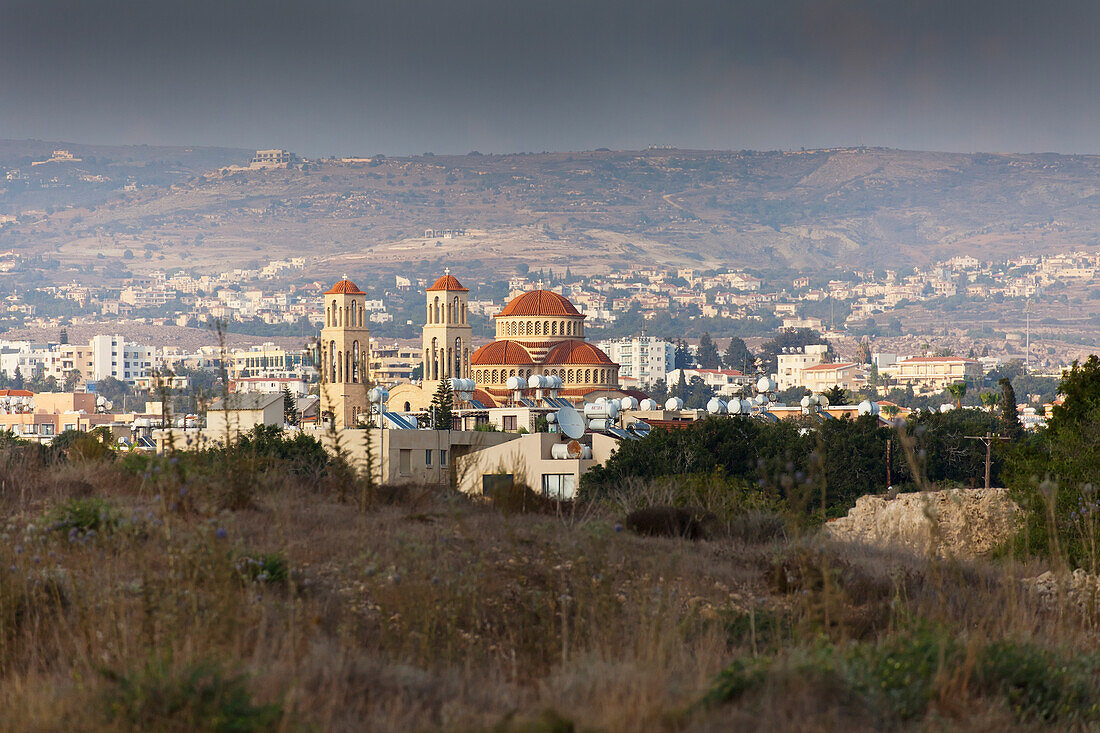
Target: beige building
[[934, 373], [533, 461], [244, 412], [821, 377], [791, 363]]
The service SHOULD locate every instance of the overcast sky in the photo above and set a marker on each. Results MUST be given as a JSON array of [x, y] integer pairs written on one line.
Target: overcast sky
[[410, 76]]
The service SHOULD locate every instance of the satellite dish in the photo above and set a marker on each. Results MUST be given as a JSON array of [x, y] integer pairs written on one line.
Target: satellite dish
[[865, 407], [716, 406], [674, 403], [734, 407], [572, 424], [763, 384], [805, 401]]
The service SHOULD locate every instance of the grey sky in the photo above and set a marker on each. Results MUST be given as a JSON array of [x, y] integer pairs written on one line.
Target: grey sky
[[399, 76]]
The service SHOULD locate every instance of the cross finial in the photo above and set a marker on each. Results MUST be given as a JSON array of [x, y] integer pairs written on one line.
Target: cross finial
[[345, 277], [446, 271]]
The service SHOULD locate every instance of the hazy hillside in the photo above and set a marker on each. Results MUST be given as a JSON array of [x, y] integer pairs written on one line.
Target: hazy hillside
[[587, 210]]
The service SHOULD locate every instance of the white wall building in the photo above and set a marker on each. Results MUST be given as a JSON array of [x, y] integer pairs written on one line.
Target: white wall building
[[644, 358], [114, 356], [791, 363]]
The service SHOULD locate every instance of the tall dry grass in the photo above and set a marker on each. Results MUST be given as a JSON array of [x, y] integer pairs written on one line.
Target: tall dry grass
[[123, 607]]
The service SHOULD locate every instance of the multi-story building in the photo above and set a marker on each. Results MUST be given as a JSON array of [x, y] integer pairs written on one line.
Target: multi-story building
[[114, 356], [935, 373], [820, 377], [646, 359], [268, 360], [793, 361], [724, 382]]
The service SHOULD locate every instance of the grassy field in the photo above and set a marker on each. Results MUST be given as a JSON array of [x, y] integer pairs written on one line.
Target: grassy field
[[132, 597]]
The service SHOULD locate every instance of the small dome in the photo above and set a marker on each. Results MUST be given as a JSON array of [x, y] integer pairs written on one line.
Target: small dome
[[448, 282], [345, 287], [577, 352], [501, 352], [539, 303]]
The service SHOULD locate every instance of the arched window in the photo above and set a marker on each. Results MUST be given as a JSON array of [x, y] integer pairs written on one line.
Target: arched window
[[428, 314], [588, 376], [328, 316], [355, 361], [435, 315], [463, 314], [496, 377], [362, 312], [435, 360], [546, 328], [408, 407], [454, 310], [538, 328], [332, 361], [554, 328], [529, 328]]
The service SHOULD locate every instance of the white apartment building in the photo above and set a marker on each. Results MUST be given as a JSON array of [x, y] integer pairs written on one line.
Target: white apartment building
[[646, 359], [792, 362], [724, 382], [114, 356]]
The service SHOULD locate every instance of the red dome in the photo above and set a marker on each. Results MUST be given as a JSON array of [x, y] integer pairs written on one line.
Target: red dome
[[577, 352], [448, 282], [345, 287], [539, 303], [501, 352]]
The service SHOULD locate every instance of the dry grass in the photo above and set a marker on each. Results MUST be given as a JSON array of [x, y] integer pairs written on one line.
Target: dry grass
[[441, 613]]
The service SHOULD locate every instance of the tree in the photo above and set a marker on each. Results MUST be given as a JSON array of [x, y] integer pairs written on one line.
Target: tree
[[988, 399], [682, 357], [442, 407], [72, 379], [1010, 419], [863, 352], [788, 338], [708, 353], [958, 391], [290, 407], [836, 395], [64, 338], [738, 356], [17, 379]]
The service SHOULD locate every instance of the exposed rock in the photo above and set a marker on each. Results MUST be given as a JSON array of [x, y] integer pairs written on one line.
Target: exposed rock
[[956, 522], [1078, 589]]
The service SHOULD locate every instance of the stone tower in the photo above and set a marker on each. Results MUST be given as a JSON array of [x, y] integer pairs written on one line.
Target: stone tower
[[447, 333], [345, 351]]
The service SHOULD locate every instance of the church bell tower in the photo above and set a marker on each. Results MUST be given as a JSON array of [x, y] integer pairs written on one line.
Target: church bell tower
[[447, 333], [345, 350]]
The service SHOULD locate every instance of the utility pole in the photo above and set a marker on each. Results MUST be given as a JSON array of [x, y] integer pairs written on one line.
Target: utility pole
[[988, 439], [1027, 338]]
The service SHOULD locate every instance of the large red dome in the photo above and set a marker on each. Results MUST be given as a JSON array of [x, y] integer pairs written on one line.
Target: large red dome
[[539, 303], [501, 352], [448, 282], [345, 287], [577, 352]]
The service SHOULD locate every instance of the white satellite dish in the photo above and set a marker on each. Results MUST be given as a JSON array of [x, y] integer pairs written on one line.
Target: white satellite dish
[[734, 406], [572, 424]]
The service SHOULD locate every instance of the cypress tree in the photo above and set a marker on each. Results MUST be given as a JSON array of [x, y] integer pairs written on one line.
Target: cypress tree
[[1010, 420]]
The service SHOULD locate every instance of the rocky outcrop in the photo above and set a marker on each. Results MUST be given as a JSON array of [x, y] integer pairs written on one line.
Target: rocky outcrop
[[1078, 589], [956, 522]]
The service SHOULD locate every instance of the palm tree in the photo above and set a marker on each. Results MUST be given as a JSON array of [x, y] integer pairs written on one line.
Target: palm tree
[[958, 391]]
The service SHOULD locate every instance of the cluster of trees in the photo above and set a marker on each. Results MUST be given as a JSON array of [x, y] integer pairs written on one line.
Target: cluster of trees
[[819, 467]]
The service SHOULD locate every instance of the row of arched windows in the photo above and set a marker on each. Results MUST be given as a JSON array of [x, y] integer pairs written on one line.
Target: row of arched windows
[[568, 376], [539, 328], [444, 312], [444, 363], [342, 366], [350, 315]]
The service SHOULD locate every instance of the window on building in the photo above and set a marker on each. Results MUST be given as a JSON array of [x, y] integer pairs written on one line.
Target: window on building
[[495, 483], [428, 457], [558, 485], [442, 458], [404, 462], [510, 423]]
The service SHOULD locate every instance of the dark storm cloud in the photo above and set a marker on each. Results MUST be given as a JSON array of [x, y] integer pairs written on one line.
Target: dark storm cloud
[[447, 75]]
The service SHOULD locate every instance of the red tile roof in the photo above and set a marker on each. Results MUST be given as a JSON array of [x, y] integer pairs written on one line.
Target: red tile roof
[[539, 303], [448, 282], [345, 287], [576, 352], [830, 365], [501, 352]]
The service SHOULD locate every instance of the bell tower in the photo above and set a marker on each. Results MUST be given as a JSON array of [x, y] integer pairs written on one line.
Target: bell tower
[[447, 333], [345, 350]]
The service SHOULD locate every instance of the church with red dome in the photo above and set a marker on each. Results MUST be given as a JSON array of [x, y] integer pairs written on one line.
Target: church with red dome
[[537, 333], [542, 333]]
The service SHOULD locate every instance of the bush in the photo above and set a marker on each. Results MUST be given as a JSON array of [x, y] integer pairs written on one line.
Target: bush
[[670, 521], [84, 517], [271, 568], [198, 697]]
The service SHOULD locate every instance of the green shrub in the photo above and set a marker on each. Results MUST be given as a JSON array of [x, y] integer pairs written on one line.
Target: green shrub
[[900, 675], [83, 517], [1036, 684], [198, 697], [271, 568]]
